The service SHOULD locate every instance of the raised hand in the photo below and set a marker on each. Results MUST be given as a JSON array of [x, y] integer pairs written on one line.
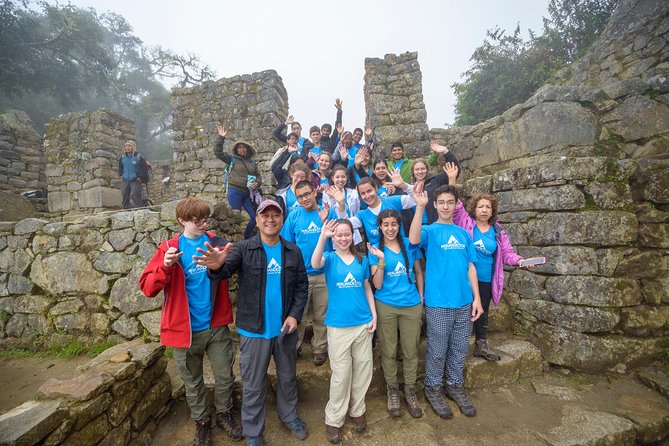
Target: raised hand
[[328, 229], [358, 156], [451, 170], [396, 179], [390, 188], [338, 104], [336, 193], [376, 252], [289, 120], [212, 258], [340, 129], [293, 149], [323, 213], [221, 131], [172, 255], [438, 148], [343, 151], [419, 195]]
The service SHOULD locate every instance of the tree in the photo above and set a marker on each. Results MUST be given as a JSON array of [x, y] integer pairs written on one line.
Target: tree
[[506, 70], [56, 59]]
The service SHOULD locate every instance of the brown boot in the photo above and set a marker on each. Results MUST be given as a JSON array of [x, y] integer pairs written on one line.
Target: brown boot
[[333, 434], [393, 392], [482, 350], [202, 432], [412, 401], [360, 423], [229, 421]]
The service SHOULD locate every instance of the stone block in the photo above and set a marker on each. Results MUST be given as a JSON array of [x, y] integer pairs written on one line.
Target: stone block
[[86, 411], [581, 426], [577, 318], [100, 197], [127, 326], [122, 220], [645, 320], [127, 297], [65, 273], [30, 422], [607, 228], [519, 359], [81, 387], [559, 392], [118, 436], [29, 226], [121, 239], [113, 262], [121, 406], [640, 265], [152, 401], [146, 220], [59, 201], [637, 117], [654, 235], [66, 307], [71, 323], [563, 259], [151, 321], [90, 434], [527, 284], [19, 285], [593, 291], [557, 198], [31, 304]]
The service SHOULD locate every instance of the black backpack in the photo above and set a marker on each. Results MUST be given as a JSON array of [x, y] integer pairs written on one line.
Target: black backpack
[[144, 169]]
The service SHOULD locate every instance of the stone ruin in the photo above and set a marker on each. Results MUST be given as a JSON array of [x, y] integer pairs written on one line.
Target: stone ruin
[[21, 156]]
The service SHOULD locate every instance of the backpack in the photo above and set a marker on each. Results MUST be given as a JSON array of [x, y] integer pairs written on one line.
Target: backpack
[[144, 169]]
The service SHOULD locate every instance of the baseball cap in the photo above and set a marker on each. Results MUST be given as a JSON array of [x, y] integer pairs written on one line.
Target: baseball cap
[[269, 204]]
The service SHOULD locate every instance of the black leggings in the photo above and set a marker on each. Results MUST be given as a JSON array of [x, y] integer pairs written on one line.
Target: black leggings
[[481, 324]]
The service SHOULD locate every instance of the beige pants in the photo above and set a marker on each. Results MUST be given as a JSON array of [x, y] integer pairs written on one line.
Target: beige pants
[[318, 301], [350, 352]]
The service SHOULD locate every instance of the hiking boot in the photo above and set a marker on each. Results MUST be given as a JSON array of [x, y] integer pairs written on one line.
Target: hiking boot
[[412, 401], [255, 441], [229, 422], [482, 350], [297, 428], [393, 393], [333, 434], [360, 423], [202, 432], [457, 393], [319, 358], [436, 399]]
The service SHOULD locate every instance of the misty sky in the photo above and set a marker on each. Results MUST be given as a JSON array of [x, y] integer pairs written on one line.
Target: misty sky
[[319, 48]]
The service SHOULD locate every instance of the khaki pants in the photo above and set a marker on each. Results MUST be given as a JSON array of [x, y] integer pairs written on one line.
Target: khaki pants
[[408, 320], [218, 345], [318, 300], [350, 352]]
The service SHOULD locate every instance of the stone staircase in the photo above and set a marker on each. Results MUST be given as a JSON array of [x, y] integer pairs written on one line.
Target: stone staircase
[[520, 401]]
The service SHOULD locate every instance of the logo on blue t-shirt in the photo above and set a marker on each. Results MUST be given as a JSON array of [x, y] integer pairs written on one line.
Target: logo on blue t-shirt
[[196, 269], [400, 270], [311, 229], [480, 246], [349, 282], [273, 267], [453, 243]]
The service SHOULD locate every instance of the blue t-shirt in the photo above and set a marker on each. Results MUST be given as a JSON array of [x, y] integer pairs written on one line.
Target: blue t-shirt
[[347, 302], [292, 202], [273, 301], [303, 228], [485, 245], [396, 289], [368, 218], [448, 251], [198, 287], [383, 192], [316, 150]]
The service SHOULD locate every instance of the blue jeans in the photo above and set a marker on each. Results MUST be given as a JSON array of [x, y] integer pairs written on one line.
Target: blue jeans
[[238, 199]]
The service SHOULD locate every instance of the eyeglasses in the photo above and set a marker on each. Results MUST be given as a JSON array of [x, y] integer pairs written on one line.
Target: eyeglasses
[[201, 221], [304, 196]]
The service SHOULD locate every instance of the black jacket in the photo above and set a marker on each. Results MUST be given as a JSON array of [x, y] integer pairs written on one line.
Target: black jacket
[[248, 259]]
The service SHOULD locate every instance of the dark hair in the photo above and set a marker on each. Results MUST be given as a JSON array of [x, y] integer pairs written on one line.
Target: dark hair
[[295, 123], [326, 126], [446, 189], [358, 129], [304, 183], [471, 209], [352, 248], [337, 168], [376, 179], [391, 213], [314, 128], [293, 134], [365, 180], [396, 144]]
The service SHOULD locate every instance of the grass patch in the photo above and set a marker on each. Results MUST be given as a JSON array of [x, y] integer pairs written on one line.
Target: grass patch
[[169, 352], [67, 351]]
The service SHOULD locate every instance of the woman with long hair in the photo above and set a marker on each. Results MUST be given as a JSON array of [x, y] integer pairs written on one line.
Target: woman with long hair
[[398, 278], [338, 181], [382, 179], [350, 319]]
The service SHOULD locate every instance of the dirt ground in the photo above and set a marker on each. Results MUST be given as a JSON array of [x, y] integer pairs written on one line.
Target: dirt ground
[[20, 378]]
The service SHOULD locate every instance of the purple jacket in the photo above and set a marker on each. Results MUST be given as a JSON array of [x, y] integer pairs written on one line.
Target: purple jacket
[[508, 255]]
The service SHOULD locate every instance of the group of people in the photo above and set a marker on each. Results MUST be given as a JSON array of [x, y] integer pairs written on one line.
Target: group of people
[[425, 254]]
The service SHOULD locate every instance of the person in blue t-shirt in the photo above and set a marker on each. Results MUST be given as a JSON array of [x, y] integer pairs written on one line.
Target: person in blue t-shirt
[[351, 320], [303, 227], [452, 300], [367, 217], [350, 198], [398, 278]]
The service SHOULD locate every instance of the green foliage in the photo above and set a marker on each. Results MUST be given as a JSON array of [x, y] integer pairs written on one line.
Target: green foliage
[[60, 58], [169, 352], [506, 70], [70, 350]]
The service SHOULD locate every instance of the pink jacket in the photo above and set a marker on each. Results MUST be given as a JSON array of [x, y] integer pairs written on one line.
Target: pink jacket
[[508, 255]]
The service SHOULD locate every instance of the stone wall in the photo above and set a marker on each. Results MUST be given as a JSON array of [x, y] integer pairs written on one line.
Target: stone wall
[[582, 177], [160, 191], [394, 103], [21, 154], [248, 106], [633, 45], [118, 398], [79, 279], [82, 152]]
